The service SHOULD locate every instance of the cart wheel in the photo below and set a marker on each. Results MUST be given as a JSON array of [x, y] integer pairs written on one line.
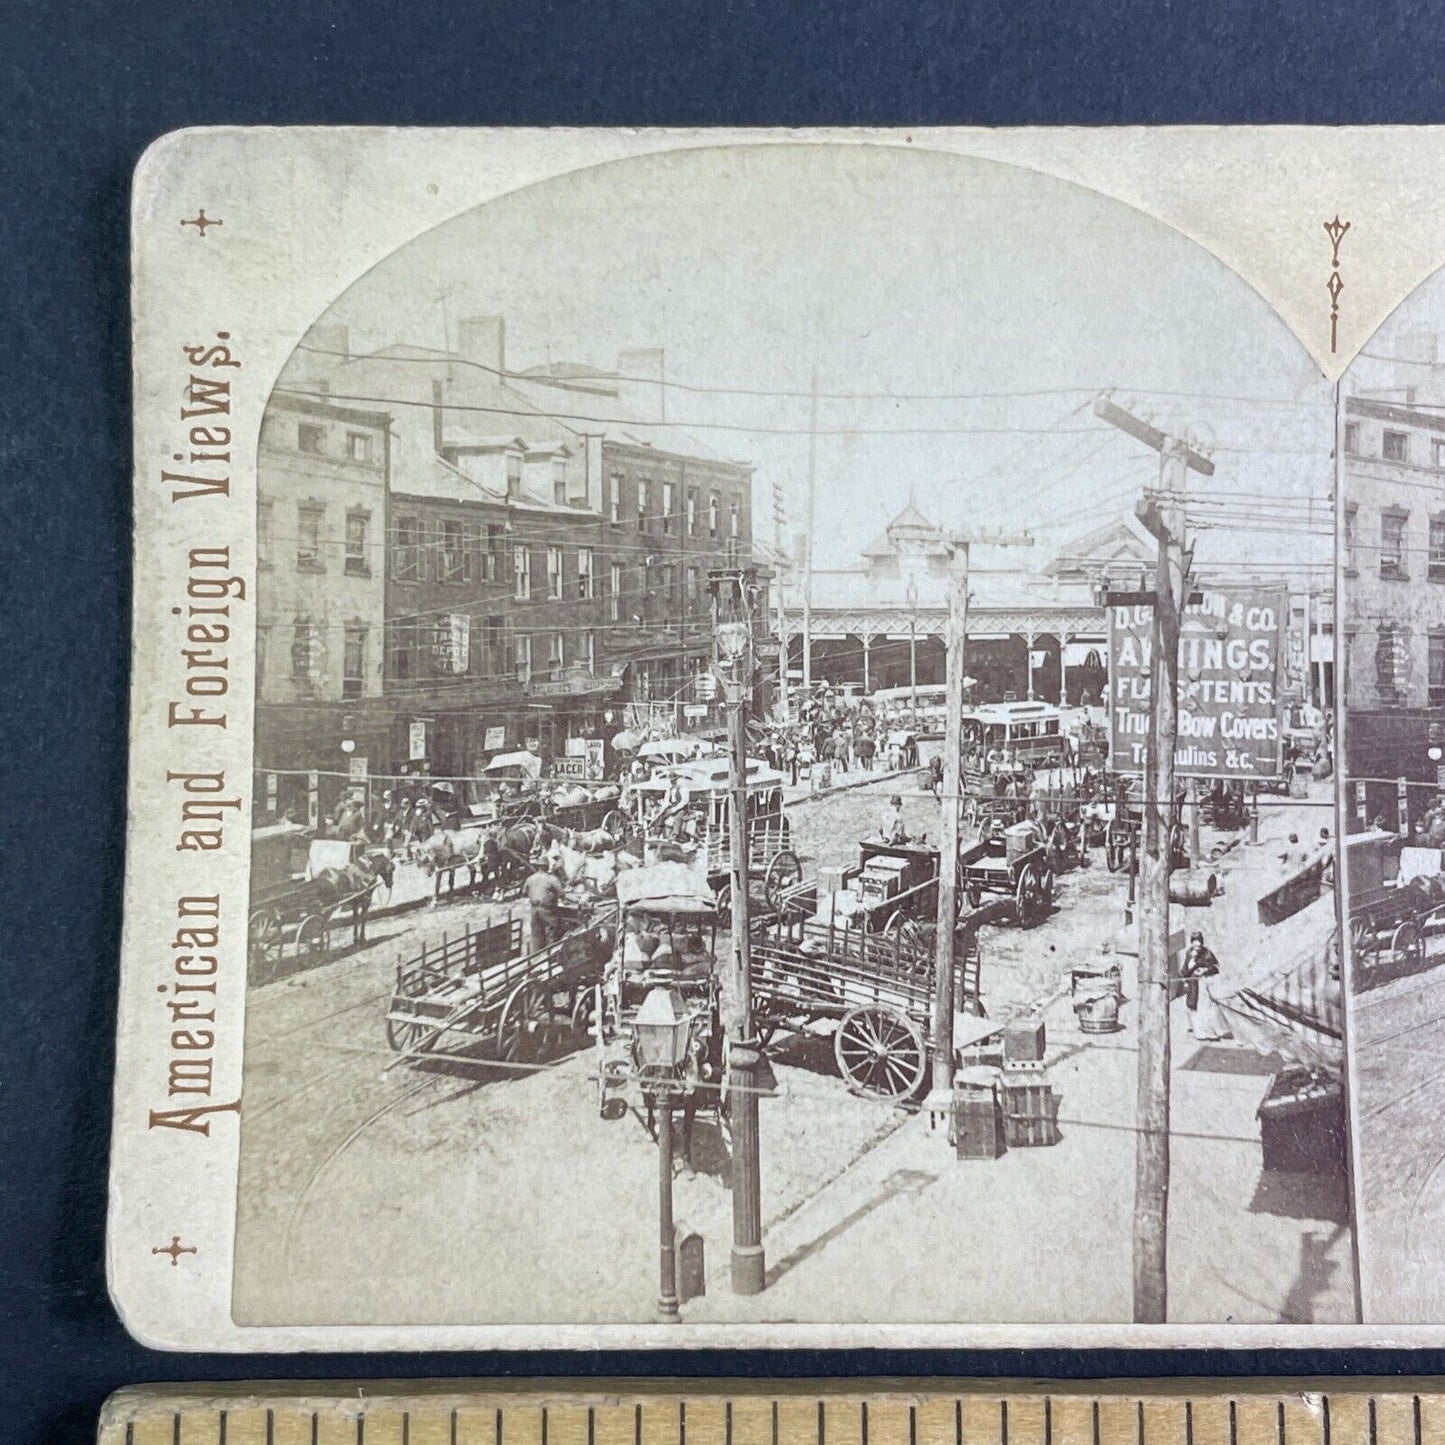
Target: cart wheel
[[265, 941], [784, 872], [1027, 894], [407, 1036], [1046, 889], [312, 937], [584, 1012], [880, 1053], [520, 1027], [619, 825], [1408, 942], [1362, 940]]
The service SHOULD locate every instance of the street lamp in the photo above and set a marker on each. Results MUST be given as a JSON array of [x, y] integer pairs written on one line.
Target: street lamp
[[660, 1041]]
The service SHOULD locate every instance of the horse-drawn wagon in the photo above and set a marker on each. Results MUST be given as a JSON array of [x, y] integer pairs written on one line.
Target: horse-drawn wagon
[[482, 987], [1014, 865], [877, 988], [693, 820], [656, 1020], [1393, 921], [294, 914]]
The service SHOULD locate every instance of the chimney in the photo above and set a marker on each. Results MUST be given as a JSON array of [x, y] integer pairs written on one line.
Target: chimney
[[483, 339], [436, 416], [642, 391]]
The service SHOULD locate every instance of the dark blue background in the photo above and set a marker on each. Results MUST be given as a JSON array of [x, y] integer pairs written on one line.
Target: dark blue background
[[86, 87]]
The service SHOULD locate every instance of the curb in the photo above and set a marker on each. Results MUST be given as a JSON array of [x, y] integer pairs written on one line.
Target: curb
[[867, 780]]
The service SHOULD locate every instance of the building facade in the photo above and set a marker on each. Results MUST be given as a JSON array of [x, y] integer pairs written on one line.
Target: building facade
[[1032, 632], [321, 525], [1393, 562]]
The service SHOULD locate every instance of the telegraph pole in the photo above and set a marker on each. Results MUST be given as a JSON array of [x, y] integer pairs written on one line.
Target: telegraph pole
[[956, 642], [808, 536], [1162, 513], [733, 594]]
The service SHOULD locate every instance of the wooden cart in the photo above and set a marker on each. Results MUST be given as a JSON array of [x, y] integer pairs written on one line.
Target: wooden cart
[[481, 986], [1026, 876], [878, 988]]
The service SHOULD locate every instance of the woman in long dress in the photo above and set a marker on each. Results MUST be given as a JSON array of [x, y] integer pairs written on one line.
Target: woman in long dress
[[1201, 968]]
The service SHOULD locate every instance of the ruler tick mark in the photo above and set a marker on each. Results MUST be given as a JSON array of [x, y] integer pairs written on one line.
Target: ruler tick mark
[[1373, 1436], [958, 1422], [822, 1432], [221, 1439], [912, 1425], [453, 1436], [1139, 1420], [636, 1426], [544, 1425], [1324, 1420], [1233, 1425], [1003, 1421], [727, 1424], [863, 1421], [1279, 1421], [270, 1427], [176, 1428], [1189, 1422], [1048, 1420], [682, 1422], [1415, 1416]]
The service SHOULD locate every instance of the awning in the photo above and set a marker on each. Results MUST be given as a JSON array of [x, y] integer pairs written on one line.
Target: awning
[[1084, 654]]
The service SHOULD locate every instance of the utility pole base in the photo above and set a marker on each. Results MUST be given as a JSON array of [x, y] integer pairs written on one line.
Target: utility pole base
[[938, 1106], [749, 1269]]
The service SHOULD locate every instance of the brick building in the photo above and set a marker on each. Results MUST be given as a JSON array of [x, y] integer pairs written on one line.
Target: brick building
[[1393, 560], [321, 520]]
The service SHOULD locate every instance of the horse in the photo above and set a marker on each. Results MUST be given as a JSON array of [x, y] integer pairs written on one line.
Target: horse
[[442, 852], [588, 840], [356, 882]]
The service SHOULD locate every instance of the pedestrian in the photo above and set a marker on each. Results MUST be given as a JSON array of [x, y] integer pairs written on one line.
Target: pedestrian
[[893, 829], [1200, 965], [935, 774], [866, 747], [543, 892]]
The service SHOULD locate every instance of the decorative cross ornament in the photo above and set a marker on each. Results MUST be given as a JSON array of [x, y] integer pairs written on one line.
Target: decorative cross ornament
[[200, 221], [175, 1249], [1335, 230]]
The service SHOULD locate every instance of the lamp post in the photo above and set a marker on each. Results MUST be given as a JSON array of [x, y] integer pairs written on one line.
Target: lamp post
[[660, 1035]]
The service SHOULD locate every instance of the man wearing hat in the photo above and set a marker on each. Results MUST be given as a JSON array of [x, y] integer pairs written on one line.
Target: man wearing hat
[[892, 829]]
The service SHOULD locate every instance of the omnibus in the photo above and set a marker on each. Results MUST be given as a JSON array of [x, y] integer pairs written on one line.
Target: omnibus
[[897, 702], [1028, 732]]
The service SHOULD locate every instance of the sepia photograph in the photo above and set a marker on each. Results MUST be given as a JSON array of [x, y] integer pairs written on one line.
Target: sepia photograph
[[792, 775], [1392, 560]]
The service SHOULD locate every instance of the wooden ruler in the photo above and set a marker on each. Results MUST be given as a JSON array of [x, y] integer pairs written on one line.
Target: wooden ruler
[[892, 1412]]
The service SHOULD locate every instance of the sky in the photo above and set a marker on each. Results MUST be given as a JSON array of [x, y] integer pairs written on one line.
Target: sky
[[902, 276]]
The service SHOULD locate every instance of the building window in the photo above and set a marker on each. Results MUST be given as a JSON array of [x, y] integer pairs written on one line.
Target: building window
[[559, 481], [692, 587], [667, 506], [712, 517], [1392, 544], [358, 446], [496, 547], [522, 658], [358, 526], [692, 511], [353, 671], [522, 573], [733, 520], [406, 561], [452, 556], [1396, 447], [1391, 663], [1436, 687], [493, 635], [642, 504], [1351, 513], [308, 538], [303, 650], [554, 653], [554, 573], [614, 592], [1437, 548], [669, 582], [584, 574], [265, 530], [614, 498], [1352, 438], [311, 438], [1437, 452]]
